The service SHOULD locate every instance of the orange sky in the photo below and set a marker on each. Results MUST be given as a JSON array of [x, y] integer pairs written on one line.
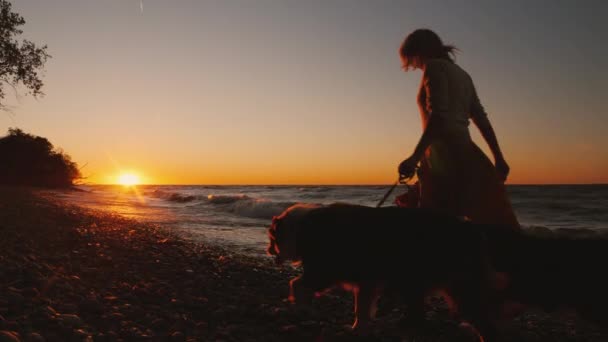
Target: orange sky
[[307, 92]]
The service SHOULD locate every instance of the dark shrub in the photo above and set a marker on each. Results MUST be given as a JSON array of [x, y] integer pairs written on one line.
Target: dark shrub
[[27, 159]]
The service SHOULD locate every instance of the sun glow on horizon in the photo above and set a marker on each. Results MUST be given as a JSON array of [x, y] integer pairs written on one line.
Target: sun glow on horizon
[[128, 179]]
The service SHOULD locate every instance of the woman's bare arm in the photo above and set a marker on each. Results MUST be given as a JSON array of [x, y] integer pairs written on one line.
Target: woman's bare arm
[[480, 119]]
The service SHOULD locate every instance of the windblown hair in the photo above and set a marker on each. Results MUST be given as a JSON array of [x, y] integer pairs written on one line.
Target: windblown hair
[[421, 45]]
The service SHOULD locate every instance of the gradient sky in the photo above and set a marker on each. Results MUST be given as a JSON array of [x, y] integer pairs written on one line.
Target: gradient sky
[[283, 92]]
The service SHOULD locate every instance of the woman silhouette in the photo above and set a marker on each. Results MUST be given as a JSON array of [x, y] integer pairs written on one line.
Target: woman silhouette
[[455, 175]]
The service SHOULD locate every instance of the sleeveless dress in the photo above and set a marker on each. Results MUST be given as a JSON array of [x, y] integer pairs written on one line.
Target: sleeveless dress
[[455, 175]]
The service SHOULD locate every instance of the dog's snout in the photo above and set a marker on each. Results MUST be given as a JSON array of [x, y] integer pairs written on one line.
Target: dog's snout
[[272, 247]]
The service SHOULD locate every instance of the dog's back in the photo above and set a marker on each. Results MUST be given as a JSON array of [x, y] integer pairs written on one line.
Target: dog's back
[[353, 243]]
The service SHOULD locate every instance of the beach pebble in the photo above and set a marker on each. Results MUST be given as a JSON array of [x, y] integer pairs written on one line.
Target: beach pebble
[[117, 316], [82, 334], [40, 301], [10, 325], [30, 292], [50, 310], [308, 324], [177, 336], [70, 320], [289, 328], [90, 305], [35, 277], [41, 317], [65, 286], [14, 298], [9, 336], [34, 337], [133, 332], [202, 326], [159, 324], [67, 307]]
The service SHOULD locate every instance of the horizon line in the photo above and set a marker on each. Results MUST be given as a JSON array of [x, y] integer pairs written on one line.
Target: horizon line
[[320, 184]]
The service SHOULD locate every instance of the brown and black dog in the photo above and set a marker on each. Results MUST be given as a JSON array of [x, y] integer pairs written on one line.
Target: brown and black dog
[[412, 251], [415, 251]]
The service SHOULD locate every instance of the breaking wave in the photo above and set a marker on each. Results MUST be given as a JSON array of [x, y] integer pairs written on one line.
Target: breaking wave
[[240, 205], [172, 196], [246, 206]]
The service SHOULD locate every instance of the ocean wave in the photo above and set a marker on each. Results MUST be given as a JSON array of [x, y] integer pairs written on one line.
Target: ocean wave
[[172, 196], [260, 208], [243, 205], [226, 199], [240, 205], [315, 189], [542, 231]]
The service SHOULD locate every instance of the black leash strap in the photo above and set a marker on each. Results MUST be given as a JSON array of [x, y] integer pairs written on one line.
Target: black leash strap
[[402, 180], [388, 193]]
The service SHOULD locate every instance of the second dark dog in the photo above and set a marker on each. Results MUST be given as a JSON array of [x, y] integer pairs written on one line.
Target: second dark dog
[[552, 271]]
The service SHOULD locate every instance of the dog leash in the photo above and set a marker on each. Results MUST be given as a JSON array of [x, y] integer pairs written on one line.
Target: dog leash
[[400, 180]]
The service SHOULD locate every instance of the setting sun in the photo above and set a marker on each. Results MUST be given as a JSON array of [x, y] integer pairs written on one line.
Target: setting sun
[[128, 179]]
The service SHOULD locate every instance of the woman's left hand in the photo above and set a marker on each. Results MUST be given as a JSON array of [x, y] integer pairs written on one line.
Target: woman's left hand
[[407, 168]]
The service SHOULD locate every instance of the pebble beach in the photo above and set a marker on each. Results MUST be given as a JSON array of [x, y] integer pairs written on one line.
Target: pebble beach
[[73, 274]]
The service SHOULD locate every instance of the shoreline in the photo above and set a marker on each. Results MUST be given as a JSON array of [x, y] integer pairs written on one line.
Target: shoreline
[[70, 273]]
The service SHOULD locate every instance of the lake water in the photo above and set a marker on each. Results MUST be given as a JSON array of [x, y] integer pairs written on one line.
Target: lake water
[[239, 215]]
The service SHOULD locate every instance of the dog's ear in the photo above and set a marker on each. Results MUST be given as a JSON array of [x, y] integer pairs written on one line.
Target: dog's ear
[[275, 222]]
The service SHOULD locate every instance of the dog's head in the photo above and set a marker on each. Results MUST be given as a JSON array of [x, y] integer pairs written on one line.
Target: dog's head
[[282, 233]]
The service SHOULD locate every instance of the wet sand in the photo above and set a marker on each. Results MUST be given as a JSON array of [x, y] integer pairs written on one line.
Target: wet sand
[[74, 274]]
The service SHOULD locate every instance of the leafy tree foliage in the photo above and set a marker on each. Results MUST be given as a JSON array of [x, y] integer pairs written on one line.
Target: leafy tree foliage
[[21, 62]]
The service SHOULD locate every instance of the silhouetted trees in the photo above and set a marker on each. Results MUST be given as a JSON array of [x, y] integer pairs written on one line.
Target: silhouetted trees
[[20, 61], [27, 159]]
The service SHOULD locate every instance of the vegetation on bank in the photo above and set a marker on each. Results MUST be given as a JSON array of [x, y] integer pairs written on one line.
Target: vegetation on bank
[[30, 160]]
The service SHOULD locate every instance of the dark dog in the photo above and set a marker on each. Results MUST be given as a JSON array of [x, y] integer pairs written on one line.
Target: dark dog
[[552, 271], [413, 251]]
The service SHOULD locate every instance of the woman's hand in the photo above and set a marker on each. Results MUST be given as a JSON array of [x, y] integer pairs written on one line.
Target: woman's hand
[[502, 168], [407, 168]]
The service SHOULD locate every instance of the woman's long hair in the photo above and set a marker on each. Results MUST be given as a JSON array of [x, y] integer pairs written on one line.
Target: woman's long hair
[[424, 44]]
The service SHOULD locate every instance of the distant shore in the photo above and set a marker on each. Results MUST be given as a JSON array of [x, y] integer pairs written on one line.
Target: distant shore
[[68, 273]]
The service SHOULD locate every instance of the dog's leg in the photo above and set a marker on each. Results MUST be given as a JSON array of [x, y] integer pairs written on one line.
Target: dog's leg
[[472, 313], [509, 309], [478, 295], [415, 316], [477, 301], [299, 292], [366, 300]]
